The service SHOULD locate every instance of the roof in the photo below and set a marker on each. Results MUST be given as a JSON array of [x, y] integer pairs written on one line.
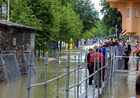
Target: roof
[[12, 24]]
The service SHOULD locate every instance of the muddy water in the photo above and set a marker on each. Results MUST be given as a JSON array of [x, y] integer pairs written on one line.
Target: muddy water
[[122, 84], [18, 89]]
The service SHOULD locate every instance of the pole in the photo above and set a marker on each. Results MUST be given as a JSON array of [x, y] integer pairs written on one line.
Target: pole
[[68, 69], [81, 73], [94, 68], [29, 71], [8, 9], [78, 76], [98, 73], [57, 75], [102, 74], [45, 79], [86, 73], [75, 74]]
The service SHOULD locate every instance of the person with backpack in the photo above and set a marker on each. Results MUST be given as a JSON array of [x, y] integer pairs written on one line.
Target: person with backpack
[[137, 51]]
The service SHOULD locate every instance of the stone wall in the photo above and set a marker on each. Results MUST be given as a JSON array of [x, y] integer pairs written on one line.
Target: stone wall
[[24, 41]]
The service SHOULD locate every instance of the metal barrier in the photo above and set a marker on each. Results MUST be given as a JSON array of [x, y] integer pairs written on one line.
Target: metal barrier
[[29, 56], [10, 68], [78, 81]]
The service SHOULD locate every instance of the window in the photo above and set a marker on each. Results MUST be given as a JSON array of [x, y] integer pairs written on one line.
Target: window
[[136, 12], [128, 12]]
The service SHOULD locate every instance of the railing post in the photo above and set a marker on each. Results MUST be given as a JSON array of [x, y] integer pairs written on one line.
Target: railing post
[[102, 72], [98, 73], [29, 74], [86, 74], [81, 72], [75, 73], [78, 76], [45, 79], [68, 69], [94, 68], [57, 75]]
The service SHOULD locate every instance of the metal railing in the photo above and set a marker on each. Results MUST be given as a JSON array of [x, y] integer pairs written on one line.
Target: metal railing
[[78, 81]]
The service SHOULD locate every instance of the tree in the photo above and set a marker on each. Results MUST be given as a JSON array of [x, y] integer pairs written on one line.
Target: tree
[[91, 33], [87, 13], [48, 12], [112, 17], [70, 24], [103, 32]]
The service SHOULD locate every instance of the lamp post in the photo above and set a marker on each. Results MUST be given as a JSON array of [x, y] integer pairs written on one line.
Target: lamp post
[[116, 31], [8, 10]]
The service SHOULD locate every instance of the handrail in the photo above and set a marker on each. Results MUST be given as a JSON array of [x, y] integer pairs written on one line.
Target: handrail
[[79, 80], [44, 83], [89, 76]]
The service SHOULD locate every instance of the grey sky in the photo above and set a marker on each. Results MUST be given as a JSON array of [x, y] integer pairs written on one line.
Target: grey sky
[[98, 7]]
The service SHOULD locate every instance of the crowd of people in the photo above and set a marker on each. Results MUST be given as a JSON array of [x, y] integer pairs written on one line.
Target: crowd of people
[[98, 53], [105, 47]]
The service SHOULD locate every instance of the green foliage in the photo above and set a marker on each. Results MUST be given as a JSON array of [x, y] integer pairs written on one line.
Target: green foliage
[[125, 38], [87, 13], [55, 19], [70, 24], [91, 33], [112, 16], [103, 32]]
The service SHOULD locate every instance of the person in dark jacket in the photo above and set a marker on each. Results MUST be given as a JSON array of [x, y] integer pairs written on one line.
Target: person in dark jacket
[[126, 53], [89, 68], [129, 47]]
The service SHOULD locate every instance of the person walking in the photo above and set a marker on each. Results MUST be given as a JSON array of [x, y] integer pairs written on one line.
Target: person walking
[[90, 69], [129, 47], [126, 59], [136, 51], [94, 60]]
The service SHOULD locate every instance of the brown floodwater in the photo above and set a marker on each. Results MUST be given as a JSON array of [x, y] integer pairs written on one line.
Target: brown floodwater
[[122, 84]]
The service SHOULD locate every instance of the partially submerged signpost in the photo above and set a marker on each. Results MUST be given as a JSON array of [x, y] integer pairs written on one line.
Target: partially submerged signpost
[[3, 10]]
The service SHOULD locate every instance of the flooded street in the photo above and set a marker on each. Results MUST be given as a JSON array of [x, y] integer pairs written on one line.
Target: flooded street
[[18, 89], [122, 84]]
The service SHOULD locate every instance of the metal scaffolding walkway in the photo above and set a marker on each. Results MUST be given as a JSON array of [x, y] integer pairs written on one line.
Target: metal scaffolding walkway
[[80, 86]]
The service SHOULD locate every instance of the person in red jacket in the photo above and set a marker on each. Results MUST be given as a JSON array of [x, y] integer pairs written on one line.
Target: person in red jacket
[[94, 59]]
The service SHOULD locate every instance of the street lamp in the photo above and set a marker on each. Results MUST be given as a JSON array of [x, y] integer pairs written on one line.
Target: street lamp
[[8, 10]]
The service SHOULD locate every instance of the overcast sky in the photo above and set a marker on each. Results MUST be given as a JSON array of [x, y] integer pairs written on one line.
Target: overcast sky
[[98, 7]]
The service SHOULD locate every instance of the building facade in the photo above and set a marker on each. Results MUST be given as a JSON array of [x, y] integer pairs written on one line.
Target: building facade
[[17, 37], [130, 10]]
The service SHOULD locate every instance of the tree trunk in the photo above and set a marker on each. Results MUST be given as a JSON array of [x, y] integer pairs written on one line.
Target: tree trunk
[[43, 53], [39, 53], [57, 46], [77, 44], [54, 46], [60, 45]]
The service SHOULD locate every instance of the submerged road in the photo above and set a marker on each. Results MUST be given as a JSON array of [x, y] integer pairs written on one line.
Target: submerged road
[[122, 85]]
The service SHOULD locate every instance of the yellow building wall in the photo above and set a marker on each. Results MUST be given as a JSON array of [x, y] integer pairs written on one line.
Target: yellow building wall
[[132, 24]]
